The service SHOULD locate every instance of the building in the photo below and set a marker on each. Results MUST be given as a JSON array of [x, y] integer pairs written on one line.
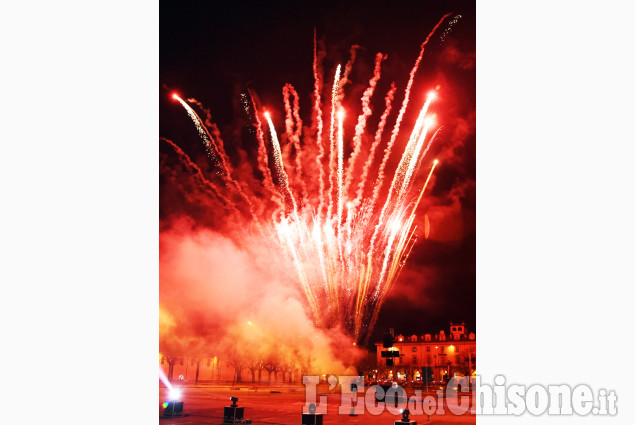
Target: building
[[430, 357]]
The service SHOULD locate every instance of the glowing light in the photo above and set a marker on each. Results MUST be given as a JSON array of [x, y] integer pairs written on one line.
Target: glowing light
[[426, 226], [164, 379], [175, 394], [396, 226], [346, 260]]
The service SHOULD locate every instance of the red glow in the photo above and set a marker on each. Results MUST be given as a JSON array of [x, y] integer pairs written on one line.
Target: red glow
[[426, 227], [315, 235]]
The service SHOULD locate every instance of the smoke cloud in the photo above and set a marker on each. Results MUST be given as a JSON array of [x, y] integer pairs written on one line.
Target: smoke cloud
[[218, 299]]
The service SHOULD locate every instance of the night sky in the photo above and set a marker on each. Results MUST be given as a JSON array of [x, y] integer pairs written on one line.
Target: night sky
[[213, 50]]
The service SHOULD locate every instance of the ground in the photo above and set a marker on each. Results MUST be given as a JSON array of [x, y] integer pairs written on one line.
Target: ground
[[203, 404]]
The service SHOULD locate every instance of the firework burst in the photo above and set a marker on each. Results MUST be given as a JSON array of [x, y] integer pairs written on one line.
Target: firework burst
[[346, 249]]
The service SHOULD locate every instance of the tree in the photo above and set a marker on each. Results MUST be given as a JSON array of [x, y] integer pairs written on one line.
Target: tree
[[197, 359], [284, 368], [277, 369], [253, 366], [293, 369], [172, 359], [237, 360], [270, 366]]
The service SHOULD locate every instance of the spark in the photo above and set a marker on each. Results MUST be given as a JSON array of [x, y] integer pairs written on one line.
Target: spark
[[340, 165], [402, 111], [278, 165], [380, 130], [361, 120], [448, 30], [346, 254], [334, 102], [317, 107]]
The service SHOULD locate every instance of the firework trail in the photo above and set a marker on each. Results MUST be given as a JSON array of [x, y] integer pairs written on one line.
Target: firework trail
[[293, 119], [263, 157], [410, 157], [402, 111], [425, 151], [371, 154], [317, 107], [332, 157], [361, 120], [348, 257], [395, 271], [288, 109], [215, 149], [347, 71], [210, 146], [281, 175], [203, 182], [214, 133], [405, 166], [340, 166]]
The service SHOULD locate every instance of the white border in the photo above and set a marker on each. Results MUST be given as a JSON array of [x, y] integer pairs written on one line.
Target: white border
[[79, 224], [555, 226]]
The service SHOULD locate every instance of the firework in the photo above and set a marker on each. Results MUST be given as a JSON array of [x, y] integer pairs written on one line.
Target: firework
[[347, 249]]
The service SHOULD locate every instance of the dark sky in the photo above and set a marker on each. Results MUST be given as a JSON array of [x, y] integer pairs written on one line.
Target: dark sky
[[211, 50]]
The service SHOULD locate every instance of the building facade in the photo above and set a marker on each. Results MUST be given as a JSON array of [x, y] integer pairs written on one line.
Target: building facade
[[430, 357]]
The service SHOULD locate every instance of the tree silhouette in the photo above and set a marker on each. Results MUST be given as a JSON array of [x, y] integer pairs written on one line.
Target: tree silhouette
[[171, 359]]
